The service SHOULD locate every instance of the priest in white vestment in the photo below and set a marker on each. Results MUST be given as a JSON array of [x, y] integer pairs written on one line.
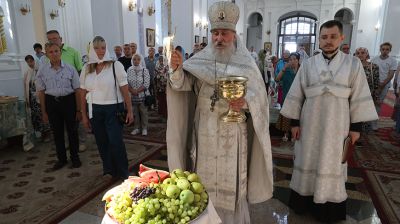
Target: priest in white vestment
[[328, 101], [233, 159]]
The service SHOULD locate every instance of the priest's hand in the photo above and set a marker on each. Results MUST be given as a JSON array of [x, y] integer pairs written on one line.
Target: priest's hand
[[176, 60], [296, 133], [354, 136], [237, 105]]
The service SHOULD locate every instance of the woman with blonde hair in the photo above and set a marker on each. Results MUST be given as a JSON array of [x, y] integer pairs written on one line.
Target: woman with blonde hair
[[105, 90]]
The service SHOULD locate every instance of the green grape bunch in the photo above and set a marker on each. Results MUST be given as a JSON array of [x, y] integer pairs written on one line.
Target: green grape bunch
[[177, 200]]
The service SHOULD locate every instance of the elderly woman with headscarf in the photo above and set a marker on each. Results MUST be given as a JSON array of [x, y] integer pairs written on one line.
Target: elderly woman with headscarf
[[161, 81], [372, 73], [286, 77], [105, 89], [139, 81], [32, 99]]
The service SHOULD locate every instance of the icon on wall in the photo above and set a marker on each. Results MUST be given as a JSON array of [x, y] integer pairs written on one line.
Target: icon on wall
[[205, 40], [150, 37], [196, 39], [268, 45]]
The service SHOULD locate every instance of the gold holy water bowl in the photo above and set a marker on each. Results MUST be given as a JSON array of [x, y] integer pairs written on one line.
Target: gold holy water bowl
[[232, 88]]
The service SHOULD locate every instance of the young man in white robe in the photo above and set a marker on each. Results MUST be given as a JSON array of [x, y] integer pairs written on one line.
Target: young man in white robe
[[328, 101], [233, 160]]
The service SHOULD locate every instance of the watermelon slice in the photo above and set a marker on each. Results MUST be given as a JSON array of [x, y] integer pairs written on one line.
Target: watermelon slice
[[143, 168], [138, 181], [155, 176]]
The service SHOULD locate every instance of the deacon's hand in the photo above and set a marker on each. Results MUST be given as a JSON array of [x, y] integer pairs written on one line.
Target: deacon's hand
[[237, 105], [176, 60], [296, 133], [354, 136]]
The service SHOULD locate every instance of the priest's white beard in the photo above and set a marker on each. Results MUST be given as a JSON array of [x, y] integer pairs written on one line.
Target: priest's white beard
[[223, 55]]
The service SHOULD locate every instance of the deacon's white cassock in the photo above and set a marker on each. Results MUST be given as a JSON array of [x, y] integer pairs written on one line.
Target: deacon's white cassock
[[233, 160], [326, 98]]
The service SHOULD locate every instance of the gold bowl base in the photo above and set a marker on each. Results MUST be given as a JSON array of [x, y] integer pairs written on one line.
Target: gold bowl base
[[233, 116]]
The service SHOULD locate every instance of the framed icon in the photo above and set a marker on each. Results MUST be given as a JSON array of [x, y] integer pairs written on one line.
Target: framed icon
[[205, 40], [196, 39], [268, 45], [150, 37]]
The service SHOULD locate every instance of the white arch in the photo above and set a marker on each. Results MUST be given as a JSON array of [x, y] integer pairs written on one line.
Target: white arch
[[345, 9]]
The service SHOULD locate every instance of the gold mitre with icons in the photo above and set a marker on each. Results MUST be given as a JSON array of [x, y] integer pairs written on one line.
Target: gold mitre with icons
[[223, 15]]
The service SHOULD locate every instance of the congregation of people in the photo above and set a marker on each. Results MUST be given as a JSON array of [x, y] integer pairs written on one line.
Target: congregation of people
[[105, 91], [381, 72], [84, 100]]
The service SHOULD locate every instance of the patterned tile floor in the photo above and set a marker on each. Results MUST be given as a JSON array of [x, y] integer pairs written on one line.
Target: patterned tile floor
[[360, 208]]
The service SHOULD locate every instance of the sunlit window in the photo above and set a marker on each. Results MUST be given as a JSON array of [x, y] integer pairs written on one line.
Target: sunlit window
[[295, 31]]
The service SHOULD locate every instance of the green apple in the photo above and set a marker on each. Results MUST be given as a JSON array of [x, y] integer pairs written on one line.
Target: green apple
[[197, 197], [204, 195], [169, 181], [197, 187], [187, 173], [187, 196], [172, 191], [183, 184], [179, 173], [173, 176], [193, 178]]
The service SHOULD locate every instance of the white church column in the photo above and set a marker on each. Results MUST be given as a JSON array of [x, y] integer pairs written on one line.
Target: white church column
[[107, 21], [369, 28], [390, 28], [182, 12]]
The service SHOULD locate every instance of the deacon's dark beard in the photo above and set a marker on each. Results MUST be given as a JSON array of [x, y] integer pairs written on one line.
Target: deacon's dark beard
[[330, 52]]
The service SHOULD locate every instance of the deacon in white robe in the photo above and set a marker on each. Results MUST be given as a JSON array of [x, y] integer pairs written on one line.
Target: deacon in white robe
[[328, 97], [233, 160]]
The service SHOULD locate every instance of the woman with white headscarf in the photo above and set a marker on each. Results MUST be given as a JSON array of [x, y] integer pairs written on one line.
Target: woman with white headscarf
[[372, 72], [99, 81], [139, 81], [32, 99]]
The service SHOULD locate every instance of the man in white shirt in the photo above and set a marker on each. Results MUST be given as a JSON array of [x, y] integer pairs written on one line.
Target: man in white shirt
[[387, 67]]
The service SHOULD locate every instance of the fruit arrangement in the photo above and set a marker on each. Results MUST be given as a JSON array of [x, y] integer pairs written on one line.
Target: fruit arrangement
[[157, 197]]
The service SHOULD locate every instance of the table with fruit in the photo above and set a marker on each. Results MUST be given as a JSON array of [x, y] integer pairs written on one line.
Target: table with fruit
[[159, 197]]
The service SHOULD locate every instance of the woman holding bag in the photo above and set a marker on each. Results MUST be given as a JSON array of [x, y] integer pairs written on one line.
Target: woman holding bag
[[105, 91], [139, 82]]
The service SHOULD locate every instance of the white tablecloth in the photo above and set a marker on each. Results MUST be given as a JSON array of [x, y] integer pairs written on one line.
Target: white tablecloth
[[209, 216]]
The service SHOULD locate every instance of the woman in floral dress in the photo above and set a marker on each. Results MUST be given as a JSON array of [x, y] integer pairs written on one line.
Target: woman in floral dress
[[372, 73], [161, 84]]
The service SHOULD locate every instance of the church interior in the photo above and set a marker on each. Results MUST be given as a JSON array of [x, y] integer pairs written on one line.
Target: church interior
[[33, 192]]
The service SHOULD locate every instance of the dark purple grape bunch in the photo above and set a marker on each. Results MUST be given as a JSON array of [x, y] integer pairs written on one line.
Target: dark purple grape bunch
[[141, 193]]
